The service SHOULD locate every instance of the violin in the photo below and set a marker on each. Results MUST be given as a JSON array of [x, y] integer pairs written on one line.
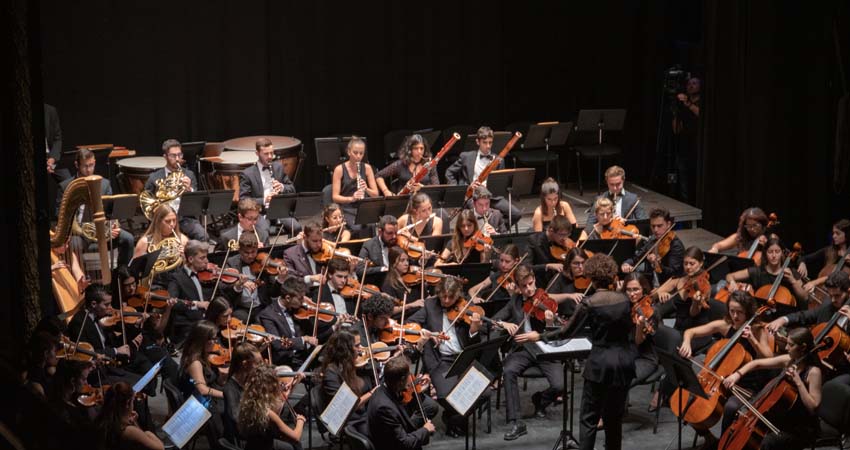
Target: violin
[[414, 249], [462, 305], [537, 305], [559, 251], [131, 317], [325, 253], [479, 241], [643, 310], [581, 283], [505, 278], [414, 387], [352, 289], [254, 334], [219, 356], [82, 351], [155, 299], [698, 284], [327, 311], [619, 229], [753, 252], [662, 249], [273, 267], [433, 276], [92, 396], [410, 332], [228, 275], [381, 352], [723, 359]]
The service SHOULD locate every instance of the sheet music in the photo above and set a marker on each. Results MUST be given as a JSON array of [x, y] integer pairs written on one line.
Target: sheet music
[[467, 390], [571, 345], [339, 408], [186, 422], [151, 373]]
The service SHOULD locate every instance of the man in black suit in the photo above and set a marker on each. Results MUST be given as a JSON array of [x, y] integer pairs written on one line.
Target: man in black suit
[[248, 215], [540, 246], [299, 259], [390, 426], [185, 285], [470, 164], [672, 263], [264, 180], [377, 249], [172, 150], [247, 295], [488, 218], [438, 358], [624, 202], [53, 143], [510, 317], [277, 319], [123, 240]]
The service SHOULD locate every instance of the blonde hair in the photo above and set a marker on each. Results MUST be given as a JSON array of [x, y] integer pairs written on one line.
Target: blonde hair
[[615, 171], [262, 391], [159, 215], [602, 202]]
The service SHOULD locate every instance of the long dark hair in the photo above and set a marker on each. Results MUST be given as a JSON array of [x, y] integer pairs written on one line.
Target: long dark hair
[[637, 276], [803, 336], [116, 406], [396, 282], [456, 244], [747, 303], [743, 236], [842, 225], [216, 308], [770, 243], [195, 347], [339, 355], [574, 253], [550, 186]]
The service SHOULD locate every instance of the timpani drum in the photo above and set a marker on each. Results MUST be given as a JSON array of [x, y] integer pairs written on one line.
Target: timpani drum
[[223, 171], [136, 171], [287, 149]]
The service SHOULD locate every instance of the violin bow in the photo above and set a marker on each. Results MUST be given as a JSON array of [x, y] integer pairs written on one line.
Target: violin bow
[[230, 244], [654, 245], [369, 349], [80, 334], [360, 292], [271, 248], [121, 313], [416, 396], [421, 277], [401, 325], [504, 279], [322, 284]]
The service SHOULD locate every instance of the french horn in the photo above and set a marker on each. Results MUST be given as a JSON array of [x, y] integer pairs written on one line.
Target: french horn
[[168, 189]]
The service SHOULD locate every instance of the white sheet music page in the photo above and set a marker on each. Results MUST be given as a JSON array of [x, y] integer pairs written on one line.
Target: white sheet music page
[[571, 345], [467, 390], [186, 422], [339, 408]]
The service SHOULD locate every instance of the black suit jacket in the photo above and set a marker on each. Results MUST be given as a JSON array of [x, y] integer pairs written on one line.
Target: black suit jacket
[[230, 233], [462, 170], [182, 315], [672, 264], [52, 132], [271, 318], [430, 317], [295, 258], [496, 220], [373, 251], [390, 427], [105, 189], [629, 200], [512, 312], [90, 334], [251, 182], [159, 174]]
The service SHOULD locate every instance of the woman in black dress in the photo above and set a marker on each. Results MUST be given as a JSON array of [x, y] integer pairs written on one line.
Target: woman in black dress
[[394, 284], [610, 366], [412, 155], [196, 377], [260, 423], [419, 211], [766, 273], [353, 180], [339, 366], [636, 287]]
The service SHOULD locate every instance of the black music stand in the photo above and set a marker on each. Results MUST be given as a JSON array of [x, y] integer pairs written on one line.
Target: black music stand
[[599, 120], [445, 196], [473, 272], [500, 139], [141, 267], [538, 137], [294, 206], [121, 207], [731, 263], [510, 182], [619, 249], [643, 226], [190, 154], [682, 375], [205, 203], [370, 210]]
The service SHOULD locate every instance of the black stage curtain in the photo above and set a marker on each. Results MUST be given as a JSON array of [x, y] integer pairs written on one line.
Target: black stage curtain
[[136, 73], [769, 106]]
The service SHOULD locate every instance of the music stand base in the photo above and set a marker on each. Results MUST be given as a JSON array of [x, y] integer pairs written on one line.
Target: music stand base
[[565, 438]]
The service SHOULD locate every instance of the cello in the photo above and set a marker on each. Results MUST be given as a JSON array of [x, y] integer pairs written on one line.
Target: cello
[[776, 292], [723, 358], [833, 339]]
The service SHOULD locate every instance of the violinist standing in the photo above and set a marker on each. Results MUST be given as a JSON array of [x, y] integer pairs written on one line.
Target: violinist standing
[[186, 285], [669, 259], [299, 257], [800, 425], [469, 165], [610, 366], [438, 356], [515, 321], [277, 319], [622, 200]]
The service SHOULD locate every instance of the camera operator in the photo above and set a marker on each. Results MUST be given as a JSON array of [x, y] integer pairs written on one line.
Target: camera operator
[[685, 131]]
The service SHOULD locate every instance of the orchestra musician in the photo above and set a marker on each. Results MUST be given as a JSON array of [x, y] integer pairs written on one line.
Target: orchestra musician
[[278, 320], [412, 155], [377, 249], [260, 410], [244, 360], [353, 180], [118, 421], [172, 151], [438, 355], [800, 425], [636, 288], [163, 225], [197, 377], [122, 239], [826, 256], [390, 426], [469, 165], [621, 200], [338, 367], [544, 246], [331, 217], [394, 284], [610, 366], [765, 273], [419, 210], [248, 293], [508, 259], [751, 226], [299, 257], [514, 320], [671, 262], [551, 205], [570, 291], [247, 219], [338, 271], [185, 284], [488, 218], [455, 251], [264, 180]]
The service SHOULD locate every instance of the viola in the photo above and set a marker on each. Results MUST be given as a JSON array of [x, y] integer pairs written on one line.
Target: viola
[[381, 352], [327, 311], [723, 358], [462, 305], [619, 229], [228, 275], [414, 387], [273, 267], [413, 248], [131, 317], [479, 241], [219, 356], [643, 310], [537, 305], [155, 299], [432, 276], [559, 251], [410, 332]]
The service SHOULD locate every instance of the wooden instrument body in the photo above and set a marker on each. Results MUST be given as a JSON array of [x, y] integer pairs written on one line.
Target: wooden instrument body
[[747, 431], [65, 287], [833, 354]]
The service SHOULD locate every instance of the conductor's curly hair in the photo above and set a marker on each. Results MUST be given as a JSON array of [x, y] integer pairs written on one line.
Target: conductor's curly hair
[[601, 269]]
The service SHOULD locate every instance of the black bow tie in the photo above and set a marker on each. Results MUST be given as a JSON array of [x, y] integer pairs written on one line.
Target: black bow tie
[[269, 168], [487, 156], [193, 275]]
